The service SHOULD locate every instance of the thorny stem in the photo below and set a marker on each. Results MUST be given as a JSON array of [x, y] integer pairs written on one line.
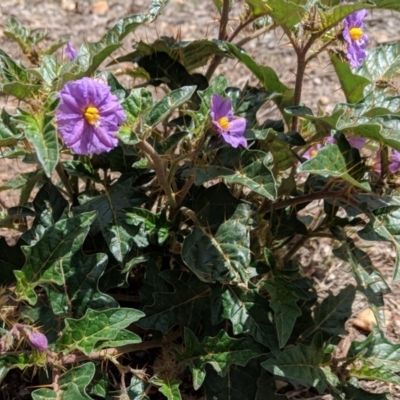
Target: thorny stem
[[221, 36], [52, 357], [241, 26], [255, 35], [55, 380], [224, 19], [268, 206], [160, 172], [300, 243]]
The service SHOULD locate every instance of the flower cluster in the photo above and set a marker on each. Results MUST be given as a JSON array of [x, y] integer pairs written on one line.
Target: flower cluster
[[231, 128], [354, 35], [89, 116]]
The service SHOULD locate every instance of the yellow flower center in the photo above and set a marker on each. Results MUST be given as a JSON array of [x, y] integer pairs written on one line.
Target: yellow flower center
[[92, 115], [224, 123], [313, 153], [356, 33]]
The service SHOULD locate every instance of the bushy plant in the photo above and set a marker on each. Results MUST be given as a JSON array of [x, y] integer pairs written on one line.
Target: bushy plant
[[157, 254]]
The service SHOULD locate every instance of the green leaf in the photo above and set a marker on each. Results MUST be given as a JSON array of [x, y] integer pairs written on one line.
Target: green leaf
[[42, 134], [332, 313], [329, 161], [71, 392], [388, 4], [214, 205], [266, 75], [136, 389], [185, 305], [249, 382], [353, 85], [127, 25], [370, 281], [11, 258], [189, 54], [225, 256], [248, 313], [168, 387], [81, 376], [284, 303], [365, 372], [378, 351], [385, 228], [355, 393], [96, 329], [220, 352], [137, 102], [80, 289], [44, 260], [302, 364], [111, 217], [337, 14], [167, 104], [285, 13]]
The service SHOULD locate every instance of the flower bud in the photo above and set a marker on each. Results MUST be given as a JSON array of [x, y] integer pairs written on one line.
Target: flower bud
[[37, 340]]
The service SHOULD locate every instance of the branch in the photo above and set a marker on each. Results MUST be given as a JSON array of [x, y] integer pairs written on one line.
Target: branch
[[269, 206], [160, 172]]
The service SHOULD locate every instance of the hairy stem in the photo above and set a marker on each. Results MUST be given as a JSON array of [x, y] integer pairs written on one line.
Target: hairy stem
[[268, 206], [160, 172]]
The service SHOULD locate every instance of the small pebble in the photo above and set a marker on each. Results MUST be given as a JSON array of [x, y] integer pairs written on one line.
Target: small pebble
[[324, 100]]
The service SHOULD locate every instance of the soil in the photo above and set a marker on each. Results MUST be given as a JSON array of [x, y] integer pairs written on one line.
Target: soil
[[87, 20]]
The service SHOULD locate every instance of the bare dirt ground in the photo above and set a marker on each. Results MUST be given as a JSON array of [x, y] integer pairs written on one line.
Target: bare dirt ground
[[87, 20]]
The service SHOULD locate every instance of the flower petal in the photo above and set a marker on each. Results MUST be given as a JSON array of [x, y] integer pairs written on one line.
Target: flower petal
[[220, 107]]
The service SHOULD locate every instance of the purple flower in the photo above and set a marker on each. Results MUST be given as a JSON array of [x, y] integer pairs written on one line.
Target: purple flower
[[37, 340], [89, 116], [357, 40], [354, 141], [70, 52], [230, 127], [394, 161], [394, 164]]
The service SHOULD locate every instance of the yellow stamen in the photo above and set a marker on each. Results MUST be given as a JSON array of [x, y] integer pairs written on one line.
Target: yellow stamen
[[92, 115], [224, 123], [356, 33], [313, 153]]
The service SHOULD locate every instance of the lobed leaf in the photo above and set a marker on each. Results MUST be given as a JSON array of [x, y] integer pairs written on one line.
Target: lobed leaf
[[220, 352], [96, 329]]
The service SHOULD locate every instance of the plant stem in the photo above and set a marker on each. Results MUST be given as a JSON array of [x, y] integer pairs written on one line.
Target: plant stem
[[301, 69], [65, 181], [221, 36], [160, 172], [268, 206]]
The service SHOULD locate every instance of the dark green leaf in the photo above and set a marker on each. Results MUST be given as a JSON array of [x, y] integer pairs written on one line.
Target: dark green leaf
[[370, 282], [44, 260], [353, 85], [96, 329], [302, 364], [42, 134], [225, 256], [332, 313], [167, 105], [284, 303], [185, 305], [248, 313], [111, 217], [220, 352]]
